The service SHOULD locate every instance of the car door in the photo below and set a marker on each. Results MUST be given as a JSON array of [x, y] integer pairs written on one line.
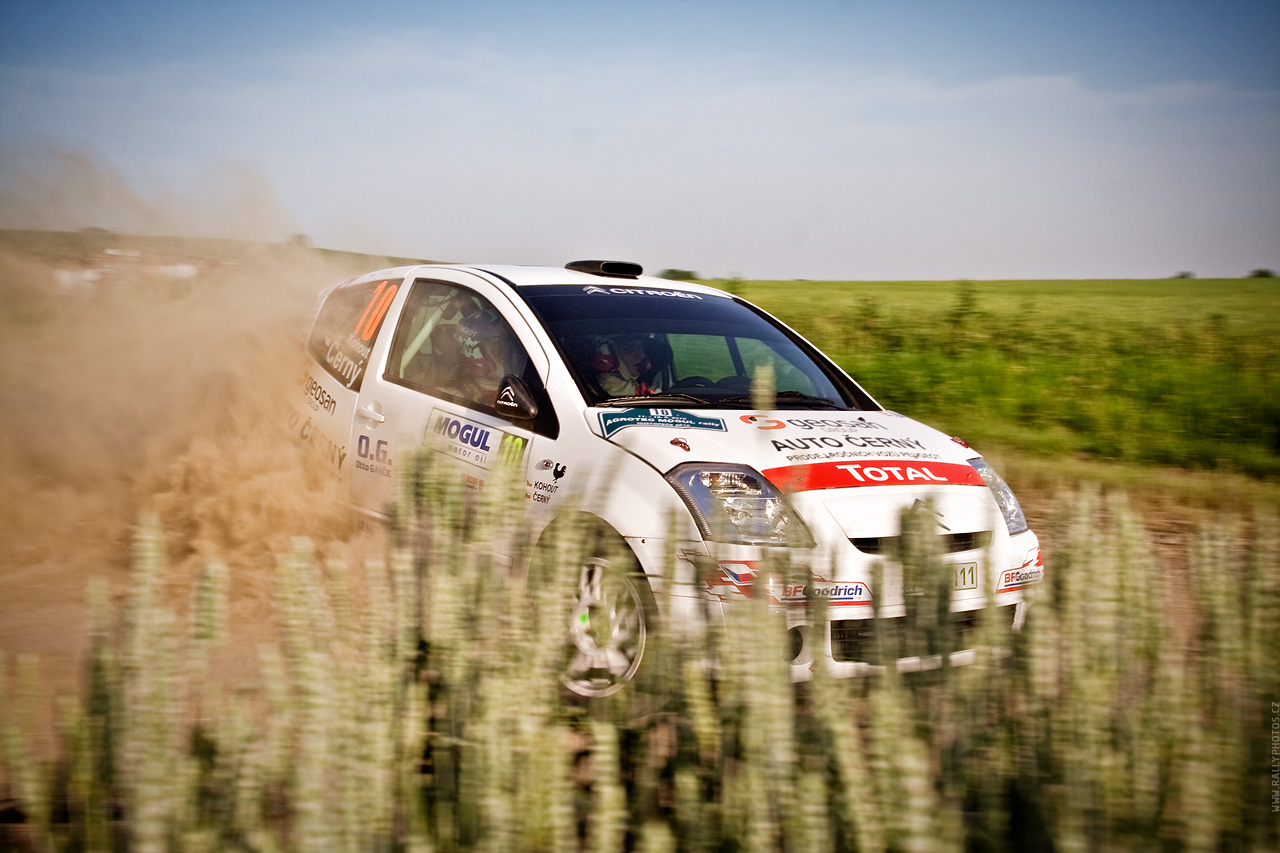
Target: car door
[[339, 347], [456, 337]]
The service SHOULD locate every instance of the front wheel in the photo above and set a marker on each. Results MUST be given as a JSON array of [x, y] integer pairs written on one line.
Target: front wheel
[[608, 625]]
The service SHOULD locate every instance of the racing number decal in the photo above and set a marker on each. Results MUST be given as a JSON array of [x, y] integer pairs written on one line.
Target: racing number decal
[[511, 450], [376, 310]]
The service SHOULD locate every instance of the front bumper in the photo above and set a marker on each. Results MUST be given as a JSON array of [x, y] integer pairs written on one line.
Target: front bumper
[[852, 583]]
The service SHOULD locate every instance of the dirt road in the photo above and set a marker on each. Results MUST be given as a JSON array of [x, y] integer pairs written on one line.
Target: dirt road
[[149, 394]]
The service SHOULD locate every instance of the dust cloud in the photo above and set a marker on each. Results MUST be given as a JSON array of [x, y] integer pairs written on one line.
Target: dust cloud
[[153, 387], [53, 189]]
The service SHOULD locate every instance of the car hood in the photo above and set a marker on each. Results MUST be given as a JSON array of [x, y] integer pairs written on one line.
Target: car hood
[[797, 450]]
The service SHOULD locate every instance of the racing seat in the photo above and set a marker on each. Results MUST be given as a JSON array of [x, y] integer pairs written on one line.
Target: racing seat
[[659, 376]]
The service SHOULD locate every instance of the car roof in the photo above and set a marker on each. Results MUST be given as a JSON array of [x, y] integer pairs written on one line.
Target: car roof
[[521, 276]]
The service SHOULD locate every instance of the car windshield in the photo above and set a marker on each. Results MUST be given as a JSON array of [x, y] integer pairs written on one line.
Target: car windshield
[[652, 347]]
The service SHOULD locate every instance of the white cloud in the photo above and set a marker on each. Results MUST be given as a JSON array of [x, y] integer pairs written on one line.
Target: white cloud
[[718, 163]]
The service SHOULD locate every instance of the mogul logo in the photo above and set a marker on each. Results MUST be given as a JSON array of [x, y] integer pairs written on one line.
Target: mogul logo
[[467, 440], [464, 432], [475, 442]]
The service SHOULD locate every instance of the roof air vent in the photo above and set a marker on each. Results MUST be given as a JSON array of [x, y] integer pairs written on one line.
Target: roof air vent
[[612, 269]]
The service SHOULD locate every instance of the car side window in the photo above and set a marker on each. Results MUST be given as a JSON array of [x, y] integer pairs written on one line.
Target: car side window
[[452, 343], [346, 327]]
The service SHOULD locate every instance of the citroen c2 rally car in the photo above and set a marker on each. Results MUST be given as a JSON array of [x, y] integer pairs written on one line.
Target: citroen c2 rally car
[[635, 394]]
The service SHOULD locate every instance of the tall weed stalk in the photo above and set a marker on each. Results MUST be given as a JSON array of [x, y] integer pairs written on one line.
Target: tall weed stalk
[[1133, 711]]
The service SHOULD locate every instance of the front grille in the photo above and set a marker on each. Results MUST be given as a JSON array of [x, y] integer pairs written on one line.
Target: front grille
[[855, 639], [952, 543]]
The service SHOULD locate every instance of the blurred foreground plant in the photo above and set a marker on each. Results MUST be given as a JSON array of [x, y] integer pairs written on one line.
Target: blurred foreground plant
[[1134, 711]]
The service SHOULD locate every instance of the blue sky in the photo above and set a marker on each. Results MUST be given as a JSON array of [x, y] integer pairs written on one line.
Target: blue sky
[[850, 140]]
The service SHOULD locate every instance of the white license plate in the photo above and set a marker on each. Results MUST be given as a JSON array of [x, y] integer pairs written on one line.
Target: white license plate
[[966, 575]]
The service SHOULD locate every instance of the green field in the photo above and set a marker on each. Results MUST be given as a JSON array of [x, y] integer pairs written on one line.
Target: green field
[[1179, 373], [1171, 373]]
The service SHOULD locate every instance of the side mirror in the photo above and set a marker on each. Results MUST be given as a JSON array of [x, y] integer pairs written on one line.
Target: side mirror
[[515, 400]]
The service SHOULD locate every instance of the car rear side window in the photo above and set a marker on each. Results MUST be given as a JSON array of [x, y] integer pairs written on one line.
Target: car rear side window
[[347, 326]]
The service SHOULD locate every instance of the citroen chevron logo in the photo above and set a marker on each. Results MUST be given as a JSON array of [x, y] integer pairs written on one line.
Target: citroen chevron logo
[[921, 506]]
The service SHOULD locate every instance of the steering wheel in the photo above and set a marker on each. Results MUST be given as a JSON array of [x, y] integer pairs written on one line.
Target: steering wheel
[[694, 382], [737, 384]]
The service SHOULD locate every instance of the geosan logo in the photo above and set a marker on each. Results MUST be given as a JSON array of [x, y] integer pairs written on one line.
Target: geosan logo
[[317, 397]]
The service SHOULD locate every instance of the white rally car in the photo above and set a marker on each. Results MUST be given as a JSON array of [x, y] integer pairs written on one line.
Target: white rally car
[[634, 395]]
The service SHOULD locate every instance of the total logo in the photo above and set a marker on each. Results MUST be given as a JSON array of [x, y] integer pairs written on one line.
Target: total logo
[[888, 472]]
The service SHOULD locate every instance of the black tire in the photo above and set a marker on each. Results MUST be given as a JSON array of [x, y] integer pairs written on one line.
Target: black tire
[[608, 629], [608, 626]]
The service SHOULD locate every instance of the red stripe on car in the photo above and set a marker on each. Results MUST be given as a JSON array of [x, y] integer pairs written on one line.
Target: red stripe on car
[[888, 472]]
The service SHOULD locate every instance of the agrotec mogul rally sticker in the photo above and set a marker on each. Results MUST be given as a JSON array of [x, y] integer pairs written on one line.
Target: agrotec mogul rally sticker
[[611, 422]]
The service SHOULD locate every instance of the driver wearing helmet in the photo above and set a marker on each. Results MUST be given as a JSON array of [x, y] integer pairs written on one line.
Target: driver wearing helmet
[[620, 364]]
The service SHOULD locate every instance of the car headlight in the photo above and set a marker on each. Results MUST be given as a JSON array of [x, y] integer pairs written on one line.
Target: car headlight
[[736, 504], [1005, 499]]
